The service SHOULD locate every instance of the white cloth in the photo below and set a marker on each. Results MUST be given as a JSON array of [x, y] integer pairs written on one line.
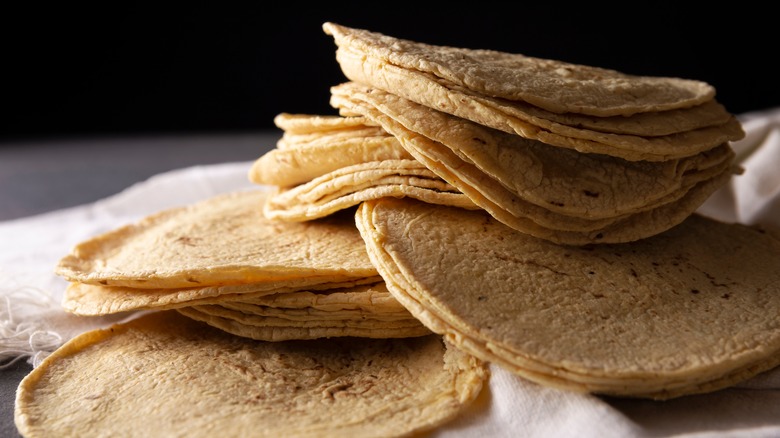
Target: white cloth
[[32, 324]]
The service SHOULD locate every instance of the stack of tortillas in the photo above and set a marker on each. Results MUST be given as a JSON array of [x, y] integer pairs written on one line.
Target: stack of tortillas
[[583, 184], [690, 310], [465, 207], [222, 262], [291, 332], [564, 152], [328, 163]]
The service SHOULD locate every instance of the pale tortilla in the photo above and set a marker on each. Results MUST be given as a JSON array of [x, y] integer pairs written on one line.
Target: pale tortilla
[[458, 168], [562, 181], [688, 311], [645, 136], [300, 158], [221, 241], [347, 187], [556, 86], [92, 300], [314, 124], [292, 332], [163, 373]]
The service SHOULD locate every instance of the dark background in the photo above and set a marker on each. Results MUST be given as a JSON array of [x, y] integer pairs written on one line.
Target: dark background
[[100, 69]]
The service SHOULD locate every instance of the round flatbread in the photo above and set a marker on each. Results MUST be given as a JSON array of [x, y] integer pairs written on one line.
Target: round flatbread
[[556, 86], [224, 240], [315, 123], [691, 310], [560, 180], [349, 186], [653, 136], [302, 157], [164, 373], [277, 330], [91, 300]]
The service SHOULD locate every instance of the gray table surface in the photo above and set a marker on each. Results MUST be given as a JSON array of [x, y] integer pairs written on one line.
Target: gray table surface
[[43, 176]]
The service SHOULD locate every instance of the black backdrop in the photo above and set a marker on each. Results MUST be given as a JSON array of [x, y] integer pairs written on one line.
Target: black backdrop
[[82, 70]]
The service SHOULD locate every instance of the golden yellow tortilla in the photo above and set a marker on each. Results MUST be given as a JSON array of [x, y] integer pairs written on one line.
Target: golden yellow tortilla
[[224, 240], [167, 374], [691, 310]]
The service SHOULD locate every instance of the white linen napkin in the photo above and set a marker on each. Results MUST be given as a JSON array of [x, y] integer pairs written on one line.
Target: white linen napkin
[[32, 323]]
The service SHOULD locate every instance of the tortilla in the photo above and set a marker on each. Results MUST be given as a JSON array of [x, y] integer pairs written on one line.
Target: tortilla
[[224, 240], [502, 159], [560, 180], [556, 86], [300, 158], [646, 136], [347, 187], [92, 300], [279, 331], [691, 310], [314, 124], [164, 372], [371, 297]]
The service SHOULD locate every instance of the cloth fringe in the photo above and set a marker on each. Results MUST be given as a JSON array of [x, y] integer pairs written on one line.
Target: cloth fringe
[[23, 333]]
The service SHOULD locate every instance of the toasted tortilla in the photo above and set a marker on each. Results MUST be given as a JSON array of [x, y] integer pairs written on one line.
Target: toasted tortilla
[[560, 180], [347, 187], [165, 372], [544, 191], [651, 136], [690, 310], [279, 331], [556, 86], [221, 241], [300, 158], [92, 300]]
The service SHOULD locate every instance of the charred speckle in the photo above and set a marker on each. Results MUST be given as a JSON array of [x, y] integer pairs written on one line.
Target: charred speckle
[[481, 298], [591, 194], [557, 203], [184, 240], [479, 140], [725, 296], [656, 264], [599, 236], [634, 274], [591, 272], [694, 291]]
